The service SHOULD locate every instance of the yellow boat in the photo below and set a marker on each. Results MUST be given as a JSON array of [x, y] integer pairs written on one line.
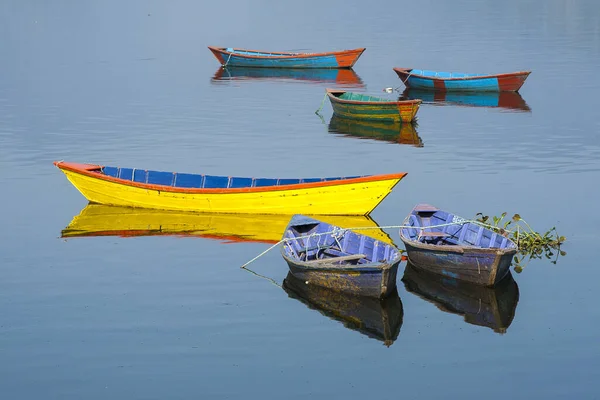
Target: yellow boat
[[132, 187], [103, 220]]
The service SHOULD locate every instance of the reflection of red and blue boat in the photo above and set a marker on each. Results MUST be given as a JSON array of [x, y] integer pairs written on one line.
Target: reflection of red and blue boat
[[231, 57], [456, 81], [458, 249], [507, 100], [343, 76]]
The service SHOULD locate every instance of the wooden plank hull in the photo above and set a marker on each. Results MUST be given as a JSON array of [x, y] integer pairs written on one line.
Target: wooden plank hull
[[505, 100], [360, 282], [102, 220], [509, 82], [392, 131], [484, 267], [394, 111], [357, 196], [261, 59], [379, 319], [493, 308], [339, 76]]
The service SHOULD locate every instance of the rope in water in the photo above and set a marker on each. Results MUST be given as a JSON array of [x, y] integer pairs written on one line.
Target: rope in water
[[339, 230], [322, 104]]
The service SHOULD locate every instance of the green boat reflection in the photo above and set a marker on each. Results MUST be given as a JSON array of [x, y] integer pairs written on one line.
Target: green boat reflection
[[391, 132]]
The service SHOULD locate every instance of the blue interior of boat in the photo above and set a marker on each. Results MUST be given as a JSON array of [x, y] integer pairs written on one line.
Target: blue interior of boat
[[258, 53], [183, 180], [463, 234], [314, 240], [441, 74]]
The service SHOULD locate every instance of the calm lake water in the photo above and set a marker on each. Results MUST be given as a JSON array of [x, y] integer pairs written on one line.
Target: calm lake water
[[164, 316]]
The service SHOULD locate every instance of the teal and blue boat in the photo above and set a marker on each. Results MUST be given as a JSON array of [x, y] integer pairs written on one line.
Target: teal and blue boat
[[232, 57]]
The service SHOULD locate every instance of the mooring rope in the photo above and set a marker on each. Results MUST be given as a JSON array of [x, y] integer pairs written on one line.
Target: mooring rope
[[338, 230], [227, 62], [322, 104]]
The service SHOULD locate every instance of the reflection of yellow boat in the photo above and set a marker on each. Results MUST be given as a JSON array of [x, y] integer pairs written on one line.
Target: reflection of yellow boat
[[393, 132], [491, 307], [378, 319], [102, 220]]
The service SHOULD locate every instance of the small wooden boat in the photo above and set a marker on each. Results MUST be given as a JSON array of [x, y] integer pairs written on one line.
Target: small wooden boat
[[450, 81], [101, 220], [493, 308], [231, 57], [131, 187], [384, 131], [340, 76], [461, 250], [362, 106], [325, 255], [379, 319], [504, 100]]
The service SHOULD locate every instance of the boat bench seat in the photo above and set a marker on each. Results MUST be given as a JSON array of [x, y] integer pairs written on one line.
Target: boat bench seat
[[433, 234]]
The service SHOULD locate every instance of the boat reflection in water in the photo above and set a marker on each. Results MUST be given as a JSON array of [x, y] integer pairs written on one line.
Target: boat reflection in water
[[490, 307], [392, 132], [343, 77], [377, 319], [506, 100], [103, 220]]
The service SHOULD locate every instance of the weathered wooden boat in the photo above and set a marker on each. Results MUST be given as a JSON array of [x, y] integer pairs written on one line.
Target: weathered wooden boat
[[232, 57], [457, 81], [493, 308], [379, 319], [325, 255], [505, 100], [462, 250], [362, 106], [131, 187], [385, 131], [103, 220], [339, 76]]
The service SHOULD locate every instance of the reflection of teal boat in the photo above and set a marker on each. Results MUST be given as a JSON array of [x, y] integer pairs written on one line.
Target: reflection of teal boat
[[393, 132], [507, 100], [377, 319], [339, 76], [490, 307]]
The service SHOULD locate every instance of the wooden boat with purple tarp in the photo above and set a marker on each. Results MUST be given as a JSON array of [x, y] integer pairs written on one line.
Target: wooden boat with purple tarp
[[325, 255], [458, 81], [132, 187], [233, 57], [362, 106], [461, 250]]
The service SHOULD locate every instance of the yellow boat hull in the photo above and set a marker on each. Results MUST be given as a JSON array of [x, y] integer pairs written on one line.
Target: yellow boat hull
[[356, 197], [103, 220]]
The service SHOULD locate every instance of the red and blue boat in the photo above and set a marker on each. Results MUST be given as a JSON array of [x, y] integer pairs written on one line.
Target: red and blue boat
[[457, 81], [233, 57]]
